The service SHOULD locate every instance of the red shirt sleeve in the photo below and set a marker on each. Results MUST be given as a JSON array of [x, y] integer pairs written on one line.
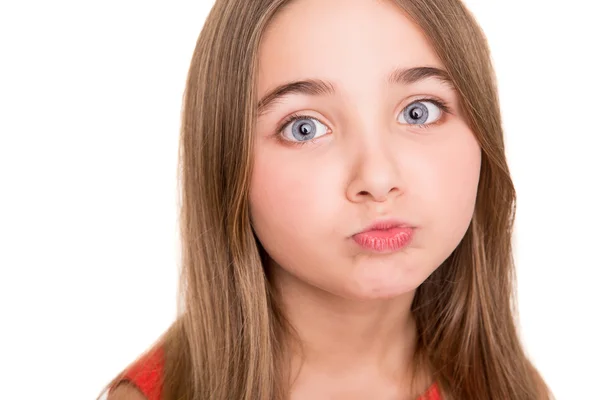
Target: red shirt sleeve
[[146, 374], [433, 393]]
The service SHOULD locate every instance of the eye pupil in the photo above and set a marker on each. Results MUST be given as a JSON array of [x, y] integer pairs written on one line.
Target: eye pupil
[[416, 113], [303, 129]]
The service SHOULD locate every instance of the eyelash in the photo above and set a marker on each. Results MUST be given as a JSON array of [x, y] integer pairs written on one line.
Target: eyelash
[[439, 103]]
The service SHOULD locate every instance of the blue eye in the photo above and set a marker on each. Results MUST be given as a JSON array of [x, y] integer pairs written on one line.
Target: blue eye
[[422, 112], [302, 128]]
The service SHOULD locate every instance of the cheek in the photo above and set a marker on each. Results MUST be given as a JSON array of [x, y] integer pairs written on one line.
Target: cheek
[[289, 204], [452, 188], [281, 189]]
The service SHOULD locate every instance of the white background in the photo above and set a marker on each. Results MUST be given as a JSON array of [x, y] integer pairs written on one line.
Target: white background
[[90, 96]]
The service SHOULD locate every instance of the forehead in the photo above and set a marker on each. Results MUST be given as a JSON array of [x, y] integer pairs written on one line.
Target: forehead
[[355, 43]]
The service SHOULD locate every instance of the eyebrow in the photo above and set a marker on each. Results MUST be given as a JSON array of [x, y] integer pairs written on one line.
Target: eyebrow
[[317, 87]]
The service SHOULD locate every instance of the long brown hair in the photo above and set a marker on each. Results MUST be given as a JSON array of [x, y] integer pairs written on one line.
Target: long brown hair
[[227, 341]]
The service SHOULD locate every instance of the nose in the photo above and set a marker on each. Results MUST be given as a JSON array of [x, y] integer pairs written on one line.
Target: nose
[[375, 174]]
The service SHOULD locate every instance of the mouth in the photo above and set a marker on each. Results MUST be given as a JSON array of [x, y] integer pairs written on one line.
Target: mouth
[[385, 236]]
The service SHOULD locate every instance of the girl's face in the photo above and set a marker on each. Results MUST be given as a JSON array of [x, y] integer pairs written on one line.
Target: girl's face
[[357, 155]]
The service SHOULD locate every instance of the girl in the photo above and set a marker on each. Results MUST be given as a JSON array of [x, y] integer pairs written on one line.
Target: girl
[[346, 211]]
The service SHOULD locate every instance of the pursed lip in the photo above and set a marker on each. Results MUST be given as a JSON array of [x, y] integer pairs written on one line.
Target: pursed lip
[[385, 236], [386, 224]]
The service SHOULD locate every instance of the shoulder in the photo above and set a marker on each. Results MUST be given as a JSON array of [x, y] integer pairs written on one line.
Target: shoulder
[[142, 380], [125, 391]]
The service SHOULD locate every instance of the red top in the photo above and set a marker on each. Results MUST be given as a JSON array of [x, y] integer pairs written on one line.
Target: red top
[[146, 375]]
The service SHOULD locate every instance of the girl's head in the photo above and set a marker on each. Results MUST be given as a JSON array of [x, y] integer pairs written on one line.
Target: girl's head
[[376, 132], [305, 122]]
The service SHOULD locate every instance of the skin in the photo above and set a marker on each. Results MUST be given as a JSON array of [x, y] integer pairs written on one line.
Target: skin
[[351, 306]]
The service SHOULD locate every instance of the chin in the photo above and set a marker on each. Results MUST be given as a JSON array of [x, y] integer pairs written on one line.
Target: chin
[[382, 281], [381, 292]]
